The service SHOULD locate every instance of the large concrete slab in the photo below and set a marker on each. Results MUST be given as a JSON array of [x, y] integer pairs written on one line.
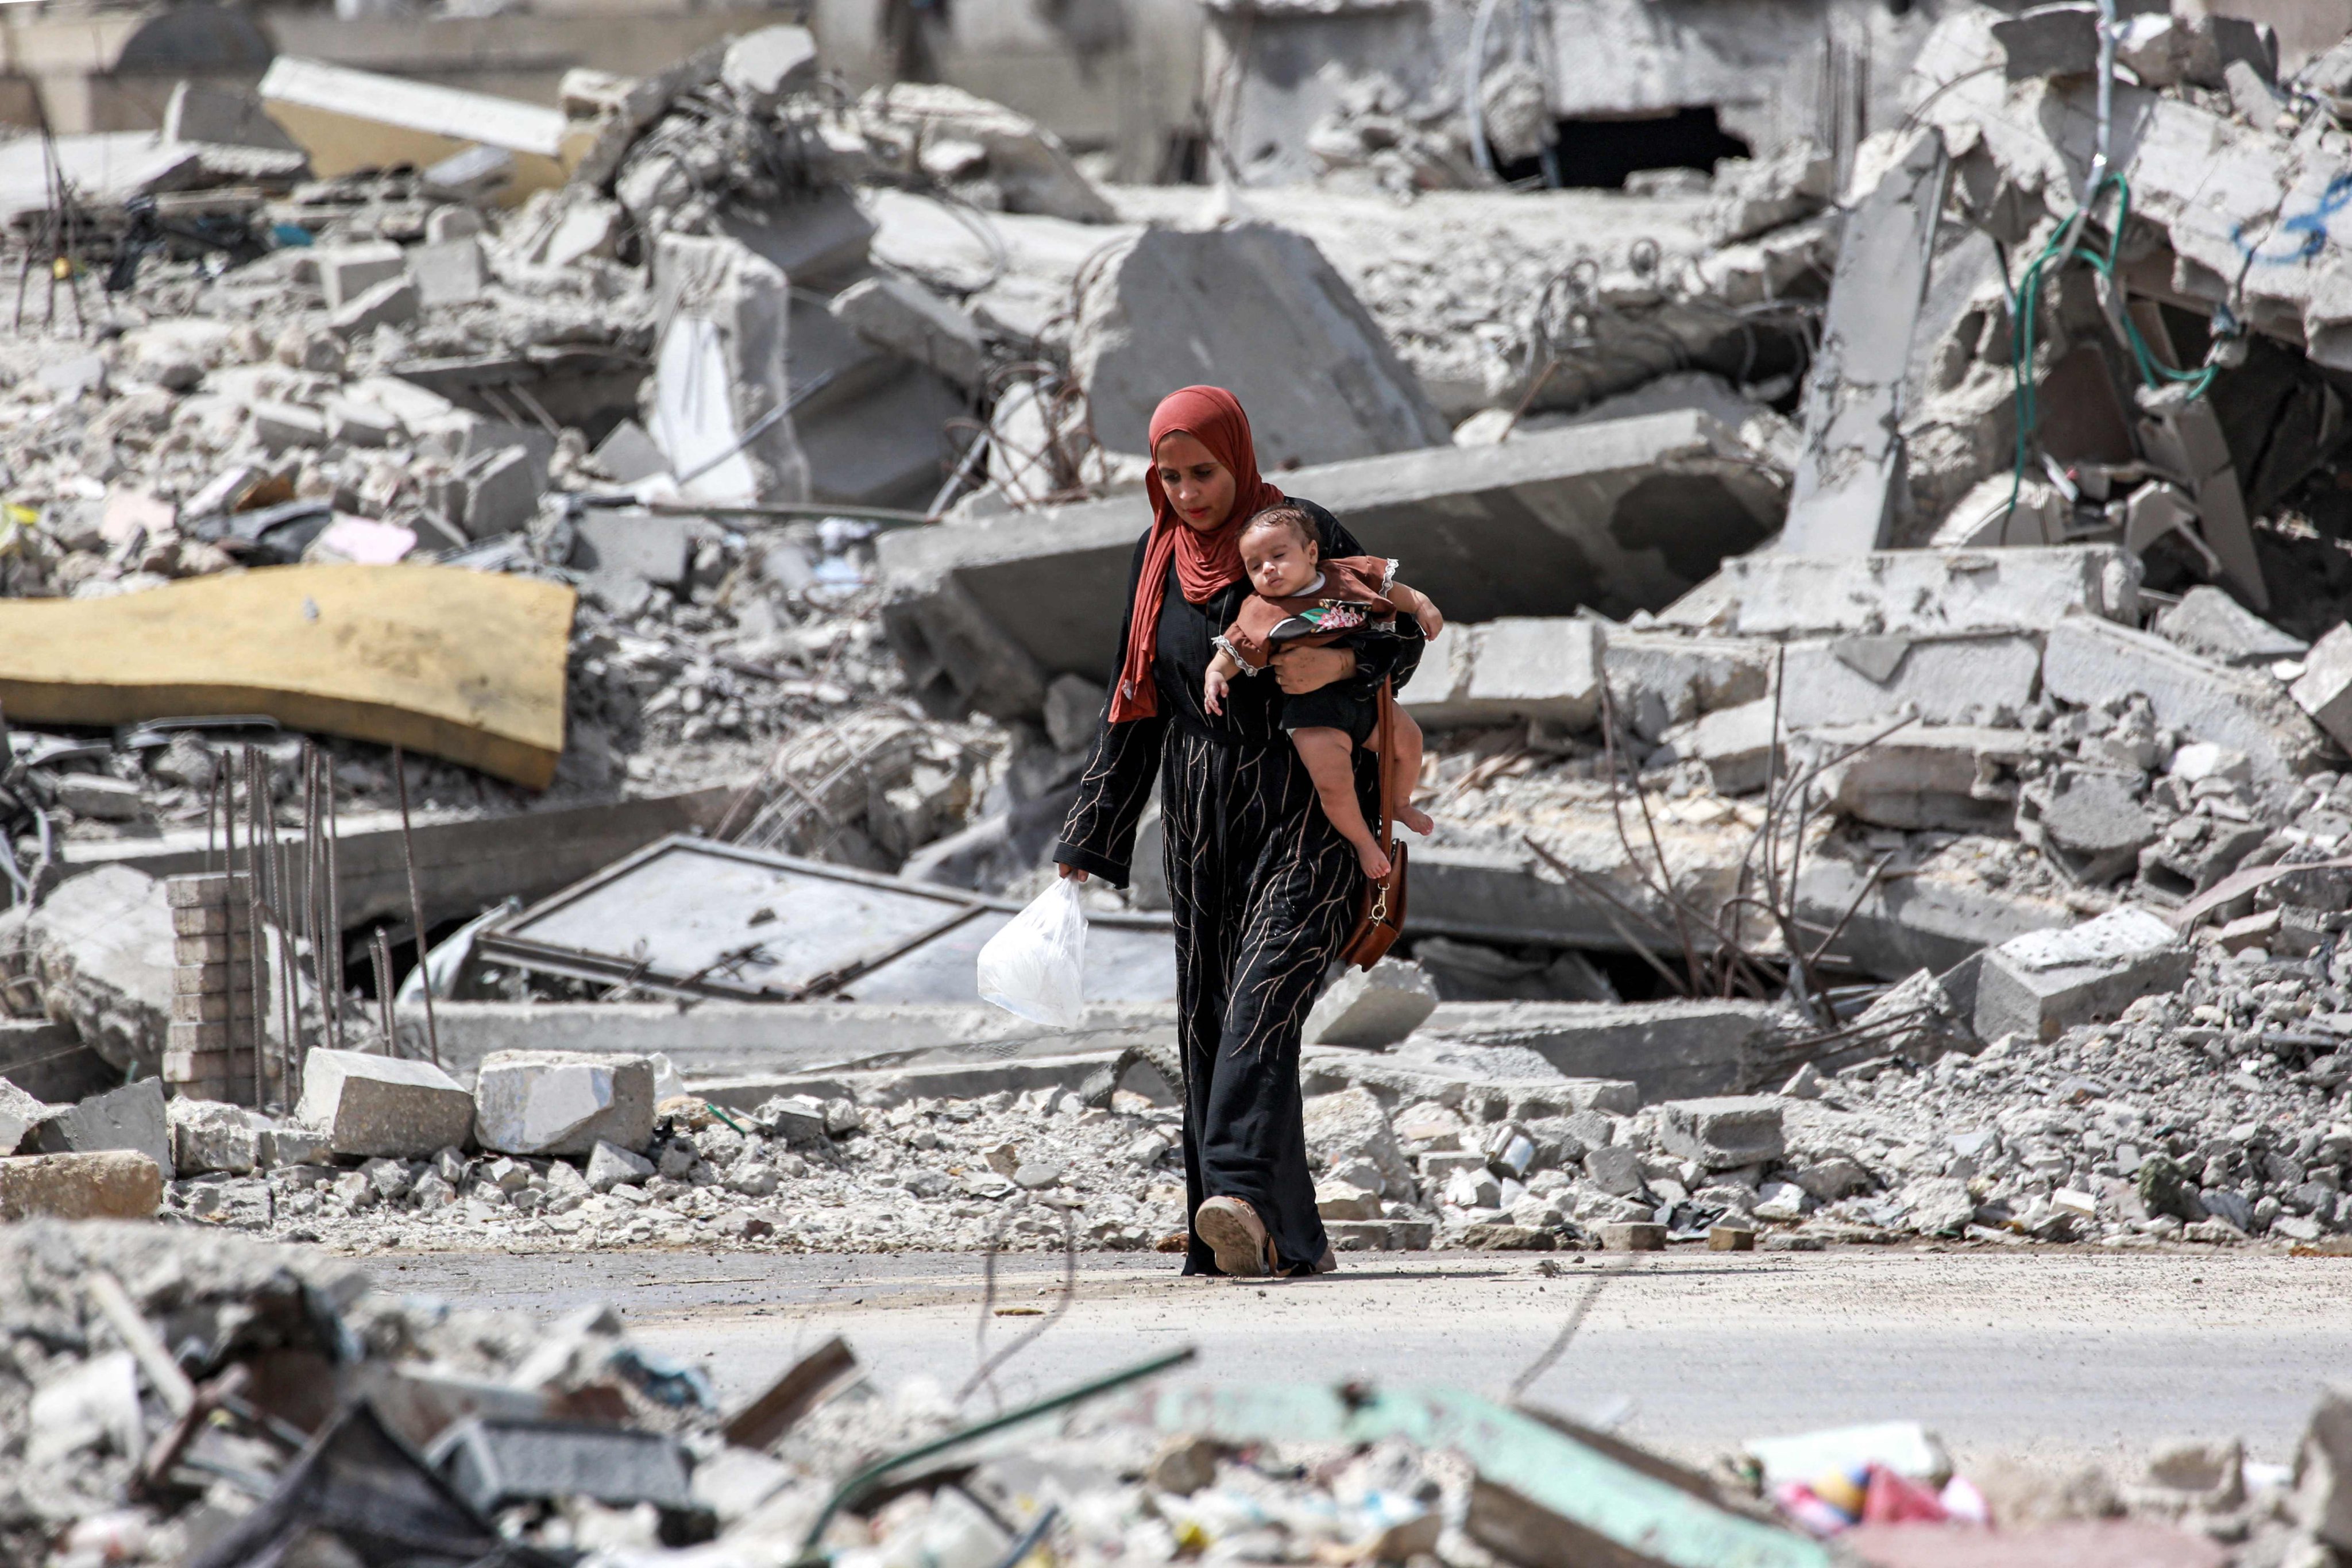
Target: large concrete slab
[[1259, 310], [1852, 466], [1668, 1050], [1615, 516], [1911, 592]]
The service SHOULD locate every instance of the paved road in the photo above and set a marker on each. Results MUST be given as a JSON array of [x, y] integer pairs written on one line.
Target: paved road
[[2072, 1352]]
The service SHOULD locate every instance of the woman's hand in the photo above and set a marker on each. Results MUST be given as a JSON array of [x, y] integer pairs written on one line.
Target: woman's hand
[[1299, 670], [1072, 872]]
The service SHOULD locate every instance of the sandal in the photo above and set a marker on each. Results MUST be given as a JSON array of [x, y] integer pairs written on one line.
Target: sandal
[[1235, 1238]]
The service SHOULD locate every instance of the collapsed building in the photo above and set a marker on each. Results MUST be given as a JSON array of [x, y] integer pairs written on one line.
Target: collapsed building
[[541, 639]]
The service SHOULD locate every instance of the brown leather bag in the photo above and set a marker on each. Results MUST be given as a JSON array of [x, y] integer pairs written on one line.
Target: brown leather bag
[[1380, 920]]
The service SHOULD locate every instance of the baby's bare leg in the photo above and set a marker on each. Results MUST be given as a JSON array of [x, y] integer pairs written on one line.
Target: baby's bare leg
[[1329, 755], [1406, 735]]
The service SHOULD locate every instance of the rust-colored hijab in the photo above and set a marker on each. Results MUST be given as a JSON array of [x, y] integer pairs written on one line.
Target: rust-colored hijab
[[1205, 561]]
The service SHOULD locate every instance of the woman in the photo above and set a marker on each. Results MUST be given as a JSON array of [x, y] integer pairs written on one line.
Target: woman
[[1262, 888]]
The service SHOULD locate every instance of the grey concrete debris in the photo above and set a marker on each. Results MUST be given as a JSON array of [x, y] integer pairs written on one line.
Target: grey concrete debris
[[101, 946], [901, 315], [2042, 983], [1257, 309], [1609, 498], [1913, 592], [1960, 778], [561, 1103], [1724, 1133], [1496, 671], [1851, 472], [2208, 620], [1373, 1007], [370, 1106], [130, 1118]]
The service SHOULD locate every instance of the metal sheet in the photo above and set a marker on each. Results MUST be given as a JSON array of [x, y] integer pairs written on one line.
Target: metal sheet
[[697, 917]]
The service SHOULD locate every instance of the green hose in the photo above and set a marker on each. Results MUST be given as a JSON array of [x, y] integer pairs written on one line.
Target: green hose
[[2024, 308]]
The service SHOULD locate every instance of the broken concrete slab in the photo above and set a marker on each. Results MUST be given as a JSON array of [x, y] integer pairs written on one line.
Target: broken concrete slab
[[1257, 309], [1971, 679], [562, 1102], [2088, 820], [207, 1136], [116, 1185], [469, 666], [131, 1117], [395, 302], [1660, 680], [220, 116], [1723, 1132], [2045, 982], [2089, 662], [48, 1061], [103, 952], [2208, 622], [1851, 471], [349, 121], [1911, 592], [770, 65], [345, 272], [1616, 517], [2322, 1500], [719, 401], [1537, 667], [19, 1113], [2324, 690], [1956, 778], [1737, 745], [623, 551], [1373, 1007], [1024, 161], [370, 1106], [903, 316], [1667, 1049], [449, 272]]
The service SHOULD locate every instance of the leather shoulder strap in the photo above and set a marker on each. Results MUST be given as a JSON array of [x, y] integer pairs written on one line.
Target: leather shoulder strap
[[1388, 758]]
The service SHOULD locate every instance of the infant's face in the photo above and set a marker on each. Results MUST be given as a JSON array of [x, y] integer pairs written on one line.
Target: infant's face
[[1279, 562]]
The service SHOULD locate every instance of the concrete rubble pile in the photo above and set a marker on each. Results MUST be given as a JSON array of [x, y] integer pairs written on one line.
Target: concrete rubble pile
[[169, 1398]]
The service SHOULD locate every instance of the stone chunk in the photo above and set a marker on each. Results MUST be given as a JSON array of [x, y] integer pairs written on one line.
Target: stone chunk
[[207, 1136], [770, 65], [1962, 777], [448, 271], [19, 1114], [1258, 309], [370, 1105], [1725, 1131], [2323, 1470], [115, 1184], [1518, 668], [1373, 1007], [562, 1102], [2324, 690], [347, 271], [2090, 663], [612, 1167], [1350, 1125], [1946, 680], [901, 315], [280, 425], [2045, 981], [395, 302], [1911, 592], [501, 492], [2209, 621], [1736, 744], [1639, 1236], [2049, 40], [131, 1117]]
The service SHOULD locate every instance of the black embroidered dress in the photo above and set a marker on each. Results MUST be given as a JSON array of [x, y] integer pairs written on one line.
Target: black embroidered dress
[[1262, 888]]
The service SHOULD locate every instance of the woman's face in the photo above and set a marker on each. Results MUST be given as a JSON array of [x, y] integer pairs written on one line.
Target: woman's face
[[1198, 487]]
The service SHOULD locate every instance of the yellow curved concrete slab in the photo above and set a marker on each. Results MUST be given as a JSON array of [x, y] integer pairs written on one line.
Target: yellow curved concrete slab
[[464, 665]]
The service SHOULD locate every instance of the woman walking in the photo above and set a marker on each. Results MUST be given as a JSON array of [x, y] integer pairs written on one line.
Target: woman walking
[[1263, 889]]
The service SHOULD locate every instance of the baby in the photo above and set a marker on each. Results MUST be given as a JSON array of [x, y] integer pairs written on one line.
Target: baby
[[1304, 601]]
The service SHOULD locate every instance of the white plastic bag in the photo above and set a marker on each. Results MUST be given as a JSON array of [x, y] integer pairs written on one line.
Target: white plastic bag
[[1035, 967]]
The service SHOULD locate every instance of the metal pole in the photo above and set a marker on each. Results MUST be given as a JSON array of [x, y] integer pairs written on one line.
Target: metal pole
[[416, 903], [334, 901]]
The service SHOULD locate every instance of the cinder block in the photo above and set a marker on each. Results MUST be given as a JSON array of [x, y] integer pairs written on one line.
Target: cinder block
[[1639, 1236], [562, 1102], [395, 302], [383, 1105], [115, 1184], [2045, 981], [1725, 1131]]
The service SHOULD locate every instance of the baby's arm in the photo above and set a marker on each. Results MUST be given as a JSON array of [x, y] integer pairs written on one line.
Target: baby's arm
[[1222, 667], [1417, 604]]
